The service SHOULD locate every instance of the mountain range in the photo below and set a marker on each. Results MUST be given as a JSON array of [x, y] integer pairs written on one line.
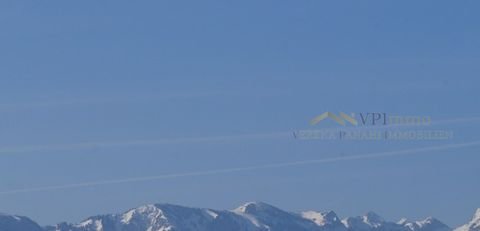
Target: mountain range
[[252, 216]]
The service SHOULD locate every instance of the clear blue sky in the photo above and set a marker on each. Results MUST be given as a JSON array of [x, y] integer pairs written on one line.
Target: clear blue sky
[[119, 71]]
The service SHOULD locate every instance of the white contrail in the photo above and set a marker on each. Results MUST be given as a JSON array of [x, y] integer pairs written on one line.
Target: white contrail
[[247, 168], [223, 138], [126, 143]]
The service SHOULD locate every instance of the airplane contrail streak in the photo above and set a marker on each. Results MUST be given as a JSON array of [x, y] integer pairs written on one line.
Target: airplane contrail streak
[[127, 143], [247, 168]]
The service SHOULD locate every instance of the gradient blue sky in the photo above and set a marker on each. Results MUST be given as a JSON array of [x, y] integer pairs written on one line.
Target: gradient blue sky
[[118, 71]]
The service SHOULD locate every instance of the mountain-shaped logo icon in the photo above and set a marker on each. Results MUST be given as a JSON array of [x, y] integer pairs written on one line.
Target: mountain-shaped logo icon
[[339, 119]]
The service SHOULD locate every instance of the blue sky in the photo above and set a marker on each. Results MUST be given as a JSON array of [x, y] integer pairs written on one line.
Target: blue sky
[[121, 71]]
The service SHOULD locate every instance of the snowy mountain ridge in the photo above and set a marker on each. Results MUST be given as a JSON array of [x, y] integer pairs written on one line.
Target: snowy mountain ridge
[[473, 225], [252, 216]]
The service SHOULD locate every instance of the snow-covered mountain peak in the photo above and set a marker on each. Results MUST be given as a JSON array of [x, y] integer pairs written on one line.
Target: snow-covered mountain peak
[[17, 223], [473, 225], [476, 216], [330, 216], [149, 212], [403, 221], [373, 222], [252, 216], [328, 221], [321, 219], [268, 217], [431, 223], [428, 224], [475, 222], [8, 216], [373, 219], [427, 221], [254, 207]]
